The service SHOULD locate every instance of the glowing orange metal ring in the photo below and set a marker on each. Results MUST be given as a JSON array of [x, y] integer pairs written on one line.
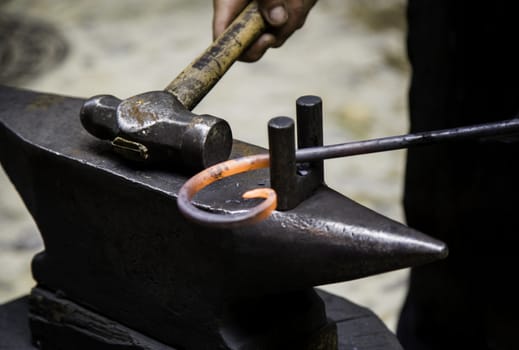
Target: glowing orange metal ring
[[218, 172]]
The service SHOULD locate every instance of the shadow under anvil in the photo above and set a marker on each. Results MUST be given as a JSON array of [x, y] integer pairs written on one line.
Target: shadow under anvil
[[116, 243]]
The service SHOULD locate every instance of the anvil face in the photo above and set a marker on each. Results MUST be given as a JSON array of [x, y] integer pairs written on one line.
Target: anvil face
[[116, 243]]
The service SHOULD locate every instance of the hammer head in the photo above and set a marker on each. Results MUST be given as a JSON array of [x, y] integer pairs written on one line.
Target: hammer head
[[155, 126]]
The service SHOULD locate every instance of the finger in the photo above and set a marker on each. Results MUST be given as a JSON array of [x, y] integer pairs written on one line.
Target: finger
[[297, 13], [258, 48], [275, 12], [225, 11]]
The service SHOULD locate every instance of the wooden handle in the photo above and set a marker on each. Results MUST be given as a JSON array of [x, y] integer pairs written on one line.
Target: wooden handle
[[196, 80]]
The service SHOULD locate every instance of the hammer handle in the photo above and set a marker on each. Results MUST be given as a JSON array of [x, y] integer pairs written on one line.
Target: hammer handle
[[197, 79]]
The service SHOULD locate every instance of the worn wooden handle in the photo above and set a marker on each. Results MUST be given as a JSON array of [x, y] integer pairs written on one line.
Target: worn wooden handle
[[196, 80]]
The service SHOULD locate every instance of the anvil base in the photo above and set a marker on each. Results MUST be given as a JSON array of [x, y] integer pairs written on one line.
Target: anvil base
[[358, 328]]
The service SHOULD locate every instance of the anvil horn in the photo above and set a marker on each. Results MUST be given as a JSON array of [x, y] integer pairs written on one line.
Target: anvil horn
[[115, 241]]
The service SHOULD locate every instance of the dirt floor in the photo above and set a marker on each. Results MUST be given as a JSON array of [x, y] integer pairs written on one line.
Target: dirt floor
[[351, 53]]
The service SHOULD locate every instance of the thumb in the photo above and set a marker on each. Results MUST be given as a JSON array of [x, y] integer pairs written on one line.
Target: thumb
[[274, 11]]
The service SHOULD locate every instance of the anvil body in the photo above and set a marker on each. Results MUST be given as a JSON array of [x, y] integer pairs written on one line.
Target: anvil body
[[116, 244]]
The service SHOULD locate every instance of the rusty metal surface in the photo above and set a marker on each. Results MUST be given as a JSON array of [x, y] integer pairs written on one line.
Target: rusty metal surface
[[115, 241], [155, 127]]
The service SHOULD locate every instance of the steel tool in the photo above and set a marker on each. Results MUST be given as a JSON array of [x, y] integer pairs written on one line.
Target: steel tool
[[312, 154], [159, 125]]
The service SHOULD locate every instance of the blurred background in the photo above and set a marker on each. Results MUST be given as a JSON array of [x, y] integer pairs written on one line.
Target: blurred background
[[350, 52]]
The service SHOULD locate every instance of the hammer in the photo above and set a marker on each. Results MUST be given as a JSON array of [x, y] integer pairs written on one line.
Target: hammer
[[159, 126]]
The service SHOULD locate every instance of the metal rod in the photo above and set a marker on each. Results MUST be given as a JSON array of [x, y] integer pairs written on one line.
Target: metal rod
[[501, 128], [282, 148], [281, 129]]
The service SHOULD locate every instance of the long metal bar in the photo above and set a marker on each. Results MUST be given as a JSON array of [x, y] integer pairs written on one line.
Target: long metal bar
[[195, 184], [500, 128]]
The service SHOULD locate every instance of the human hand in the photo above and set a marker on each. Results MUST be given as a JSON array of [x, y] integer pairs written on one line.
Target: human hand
[[283, 16]]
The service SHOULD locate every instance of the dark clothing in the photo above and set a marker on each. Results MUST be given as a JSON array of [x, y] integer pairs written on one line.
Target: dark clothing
[[465, 61]]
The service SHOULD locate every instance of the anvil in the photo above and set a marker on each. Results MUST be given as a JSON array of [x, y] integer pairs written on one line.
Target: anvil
[[117, 248]]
